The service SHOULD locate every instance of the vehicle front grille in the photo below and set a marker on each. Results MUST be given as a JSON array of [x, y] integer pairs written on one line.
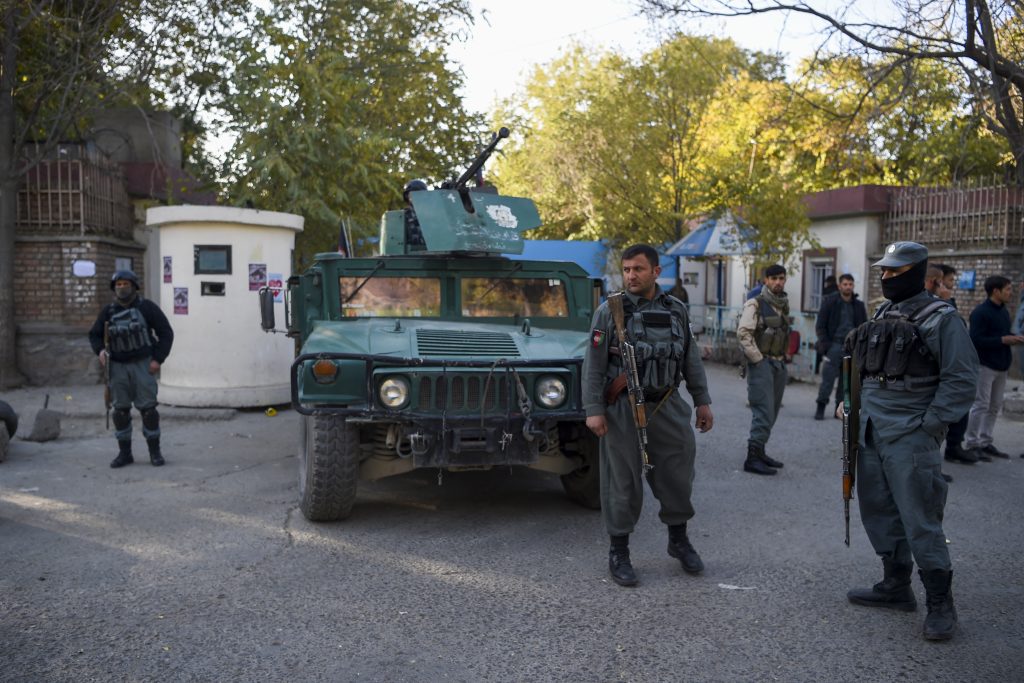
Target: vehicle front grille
[[459, 392], [459, 343]]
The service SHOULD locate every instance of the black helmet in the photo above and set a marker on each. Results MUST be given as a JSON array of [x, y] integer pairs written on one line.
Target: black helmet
[[124, 275], [413, 186]]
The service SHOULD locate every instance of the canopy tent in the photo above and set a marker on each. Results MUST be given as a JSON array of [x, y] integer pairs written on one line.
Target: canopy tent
[[722, 236]]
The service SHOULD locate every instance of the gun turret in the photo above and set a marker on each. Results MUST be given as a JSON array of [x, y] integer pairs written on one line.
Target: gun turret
[[483, 222], [478, 162]]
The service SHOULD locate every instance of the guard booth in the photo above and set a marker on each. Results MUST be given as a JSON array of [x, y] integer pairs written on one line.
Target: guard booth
[[213, 260]]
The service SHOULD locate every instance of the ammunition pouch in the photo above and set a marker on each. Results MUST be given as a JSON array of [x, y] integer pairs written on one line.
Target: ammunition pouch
[[128, 331], [660, 349], [772, 333], [890, 351]]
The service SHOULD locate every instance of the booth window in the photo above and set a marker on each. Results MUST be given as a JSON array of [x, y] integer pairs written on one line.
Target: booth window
[[818, 265], [212, 259]]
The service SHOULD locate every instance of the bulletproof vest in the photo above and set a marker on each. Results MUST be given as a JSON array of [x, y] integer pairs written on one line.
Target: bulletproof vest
[[128, 330], [772, 334], [890, 348], [659, 341]]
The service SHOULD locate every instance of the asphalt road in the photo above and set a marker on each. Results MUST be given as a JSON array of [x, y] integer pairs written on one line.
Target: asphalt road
[[205, 570]]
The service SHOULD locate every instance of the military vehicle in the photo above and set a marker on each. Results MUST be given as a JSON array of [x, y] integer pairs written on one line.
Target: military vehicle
[[442, 352]]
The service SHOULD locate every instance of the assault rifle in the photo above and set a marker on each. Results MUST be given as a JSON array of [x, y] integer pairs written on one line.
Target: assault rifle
[[851, 434], [629, 367], [106, 371]]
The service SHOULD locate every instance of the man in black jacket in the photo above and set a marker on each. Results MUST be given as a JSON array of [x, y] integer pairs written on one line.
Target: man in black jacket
[[133, 335], [840, 312], [990, 332]]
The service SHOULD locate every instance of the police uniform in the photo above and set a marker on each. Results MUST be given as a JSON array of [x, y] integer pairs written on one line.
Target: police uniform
[[763, 334], [137, 332], [918, 374], [666, 354]]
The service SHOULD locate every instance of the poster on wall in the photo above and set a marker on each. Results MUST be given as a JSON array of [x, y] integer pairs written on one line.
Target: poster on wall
[[167, 269], [181, 300], [257, 276], [275, 281]]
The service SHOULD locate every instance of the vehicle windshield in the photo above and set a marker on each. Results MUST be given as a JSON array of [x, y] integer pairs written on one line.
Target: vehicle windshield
[[505, 297], [387, 297]]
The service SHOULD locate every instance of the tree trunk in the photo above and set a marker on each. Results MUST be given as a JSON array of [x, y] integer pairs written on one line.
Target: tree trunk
[[9, 375]]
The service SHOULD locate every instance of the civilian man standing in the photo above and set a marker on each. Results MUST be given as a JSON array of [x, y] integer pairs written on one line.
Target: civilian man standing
[[840, 312], [990, 332]]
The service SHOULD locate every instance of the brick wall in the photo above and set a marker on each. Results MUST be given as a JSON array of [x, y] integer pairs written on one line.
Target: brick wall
[[46, 289], [1009, 264]]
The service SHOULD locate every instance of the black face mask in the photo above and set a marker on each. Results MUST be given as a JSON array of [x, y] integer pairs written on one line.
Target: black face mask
[[905, 285]]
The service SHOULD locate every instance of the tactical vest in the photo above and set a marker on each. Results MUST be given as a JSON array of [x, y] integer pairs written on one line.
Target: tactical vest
[[659, 340], [128, 330], [889, 348], [772, 333]]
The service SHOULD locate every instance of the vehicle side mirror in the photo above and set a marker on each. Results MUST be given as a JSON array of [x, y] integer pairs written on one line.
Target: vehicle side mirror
[[266, 309]]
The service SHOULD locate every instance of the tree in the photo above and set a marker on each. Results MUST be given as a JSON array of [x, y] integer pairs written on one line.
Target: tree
[[336, 104], [980, 38], [61, 61], [633, 149], [49, 75]]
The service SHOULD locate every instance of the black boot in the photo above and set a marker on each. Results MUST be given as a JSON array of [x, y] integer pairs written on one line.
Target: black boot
[[155, 456], [619, 565], [680, 548], [940, 624], [819, 414], [771, 462], [755, 460], [957, 453], [124, 454], [893, 591]]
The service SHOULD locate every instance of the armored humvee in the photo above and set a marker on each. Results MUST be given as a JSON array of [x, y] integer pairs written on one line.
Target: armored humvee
[[441, 352]]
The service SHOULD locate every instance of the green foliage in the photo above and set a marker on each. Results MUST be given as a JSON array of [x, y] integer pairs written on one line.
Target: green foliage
[[631, 150], [337, 104]]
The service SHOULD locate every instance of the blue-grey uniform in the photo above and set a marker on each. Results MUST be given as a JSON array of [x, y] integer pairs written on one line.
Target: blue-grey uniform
[[667, 354], [918, 371], [902, 423]]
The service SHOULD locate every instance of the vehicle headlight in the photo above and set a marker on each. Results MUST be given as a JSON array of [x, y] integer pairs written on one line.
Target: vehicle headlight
[[550, 392], [394, 392]]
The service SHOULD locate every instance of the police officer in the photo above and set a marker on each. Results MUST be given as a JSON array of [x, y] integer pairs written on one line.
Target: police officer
[[658, 326], [133, 335], [763, 334], [910, 393]]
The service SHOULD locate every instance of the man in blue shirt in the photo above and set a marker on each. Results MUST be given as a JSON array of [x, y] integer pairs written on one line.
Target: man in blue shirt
[[990, 332]]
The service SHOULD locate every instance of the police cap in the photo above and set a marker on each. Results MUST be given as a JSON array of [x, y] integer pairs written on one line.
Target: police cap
[[899, 254]]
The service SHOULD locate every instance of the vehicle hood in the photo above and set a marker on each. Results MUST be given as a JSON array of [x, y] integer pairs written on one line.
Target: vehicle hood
[[444, 339]]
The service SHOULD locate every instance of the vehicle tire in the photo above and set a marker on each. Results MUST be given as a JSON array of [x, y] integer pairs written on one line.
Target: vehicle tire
[[328, 468], [4, 441], [9, 418], [583, 486]]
